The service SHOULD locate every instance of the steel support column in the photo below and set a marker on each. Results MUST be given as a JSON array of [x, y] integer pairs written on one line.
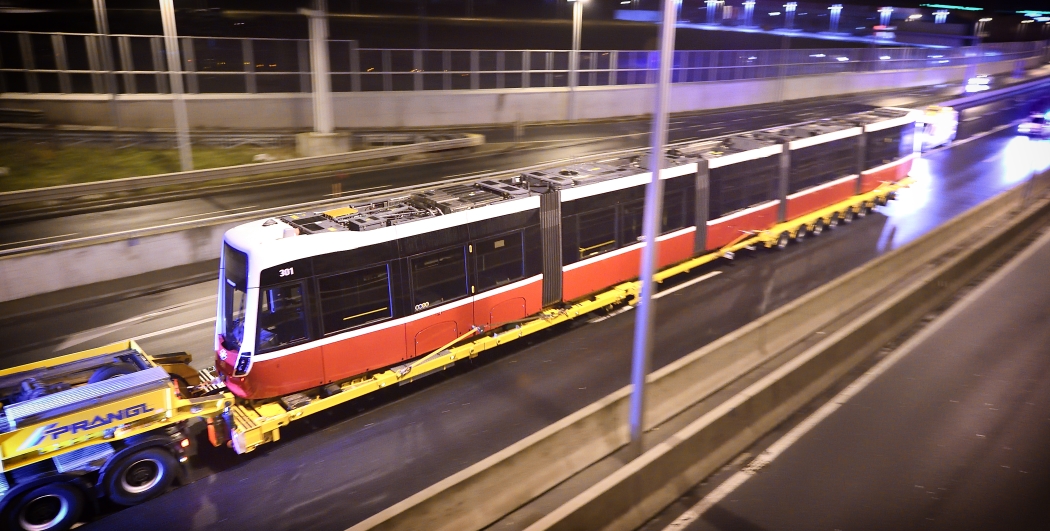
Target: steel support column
[[171, 45], [646, 314]]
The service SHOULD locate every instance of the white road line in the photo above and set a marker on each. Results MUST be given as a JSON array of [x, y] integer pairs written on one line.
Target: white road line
[[851, 390], [684, 285], [216, 212], [39, 239], [978, 136], [88, 335], [358, 190], [174, 328]]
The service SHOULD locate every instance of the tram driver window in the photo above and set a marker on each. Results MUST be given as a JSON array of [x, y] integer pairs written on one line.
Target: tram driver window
[[438, 277], [282, 317]]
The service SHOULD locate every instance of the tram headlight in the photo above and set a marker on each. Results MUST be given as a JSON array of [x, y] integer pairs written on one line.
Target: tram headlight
[[242, 364]]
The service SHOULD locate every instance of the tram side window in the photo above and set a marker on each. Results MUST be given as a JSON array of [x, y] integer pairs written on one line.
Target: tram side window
[[354, 298], [438, 277], [500, 261], [883, 147], [631, 219], [597, 232], [674, 216], [282, 317]]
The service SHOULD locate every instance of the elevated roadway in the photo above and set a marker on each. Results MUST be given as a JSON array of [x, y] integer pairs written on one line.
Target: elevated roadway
[[540, 144], [947, 433], [370, 454]]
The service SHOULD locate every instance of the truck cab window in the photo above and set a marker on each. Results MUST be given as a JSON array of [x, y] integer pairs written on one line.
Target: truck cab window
[[282, 317]]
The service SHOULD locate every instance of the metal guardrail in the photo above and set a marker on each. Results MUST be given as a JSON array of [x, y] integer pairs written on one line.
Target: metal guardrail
[[422, 144], [73, 63], [992, 95]]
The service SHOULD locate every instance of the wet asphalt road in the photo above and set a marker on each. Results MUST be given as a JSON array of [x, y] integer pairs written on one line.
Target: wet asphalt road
[[950, 437], [336, 469]]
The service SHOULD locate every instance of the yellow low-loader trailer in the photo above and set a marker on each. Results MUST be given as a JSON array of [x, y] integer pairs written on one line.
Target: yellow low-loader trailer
[[110, 422], [116, 423]]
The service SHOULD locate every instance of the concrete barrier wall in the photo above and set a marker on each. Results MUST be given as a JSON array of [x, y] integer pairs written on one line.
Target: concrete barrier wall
[[636, 492], [31, 274], [465, 107]]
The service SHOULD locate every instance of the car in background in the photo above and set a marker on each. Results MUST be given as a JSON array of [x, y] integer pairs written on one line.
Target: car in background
[[979, 83], [1037, 125]]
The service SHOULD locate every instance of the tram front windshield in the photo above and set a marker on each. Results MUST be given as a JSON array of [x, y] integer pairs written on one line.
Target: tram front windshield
[[235, 286]]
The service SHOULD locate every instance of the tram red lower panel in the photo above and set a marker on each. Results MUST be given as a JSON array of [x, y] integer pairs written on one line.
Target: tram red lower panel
[[430, 333], [893, 172], [678, 248], [725, 230], [279, 376], [599, 274], [363, 353], [805, 202], [510, 305]]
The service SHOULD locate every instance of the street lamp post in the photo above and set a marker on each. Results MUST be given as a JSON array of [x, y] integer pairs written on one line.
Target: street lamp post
[[645, 316], [940, 17], [789, 16], [836, 13], [885, 15], [978, 30], [749, 12], [574, 56], [171, 47]]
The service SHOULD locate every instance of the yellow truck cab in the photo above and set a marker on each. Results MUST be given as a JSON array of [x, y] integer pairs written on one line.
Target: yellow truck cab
[[110, 422]]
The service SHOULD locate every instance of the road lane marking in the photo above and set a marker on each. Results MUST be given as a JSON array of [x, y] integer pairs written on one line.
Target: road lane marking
[[668, 291], [174, 329], [88, 335], [684, 285], [851, 390], [357, 190], [216, 212], [39, 239]]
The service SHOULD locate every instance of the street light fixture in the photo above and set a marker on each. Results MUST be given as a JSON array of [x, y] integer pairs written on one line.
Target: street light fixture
[[836, 12], [574, 56]]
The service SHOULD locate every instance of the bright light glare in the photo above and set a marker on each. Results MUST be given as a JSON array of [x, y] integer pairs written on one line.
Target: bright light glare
[[885, 57], [1022, 157], [817, 55], [842, 59]]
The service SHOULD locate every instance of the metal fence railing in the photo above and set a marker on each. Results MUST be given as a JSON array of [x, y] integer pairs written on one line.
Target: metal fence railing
[[91, 63]]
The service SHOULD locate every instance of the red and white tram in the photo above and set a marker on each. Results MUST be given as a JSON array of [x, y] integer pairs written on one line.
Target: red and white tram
[[319, 297]]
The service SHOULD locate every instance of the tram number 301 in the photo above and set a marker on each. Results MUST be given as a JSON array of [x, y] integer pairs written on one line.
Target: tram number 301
[[287, 272], [422, 306]]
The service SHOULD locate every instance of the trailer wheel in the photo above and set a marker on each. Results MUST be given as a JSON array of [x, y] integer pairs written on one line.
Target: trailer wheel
[[111, 371], [800, 234], [53, 507], [862, 211], [833, 221], [847, 216], [140, 476], [782, 241], [818, 228]]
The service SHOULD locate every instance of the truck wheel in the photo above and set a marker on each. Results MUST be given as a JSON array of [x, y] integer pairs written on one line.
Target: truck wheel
[[52, 507], [782, 240], [800, 234], [111, 371], [140, 476]]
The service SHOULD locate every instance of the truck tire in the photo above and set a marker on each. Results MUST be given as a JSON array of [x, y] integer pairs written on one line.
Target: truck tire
[[140, 476], [111, 371], [52, 507]]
